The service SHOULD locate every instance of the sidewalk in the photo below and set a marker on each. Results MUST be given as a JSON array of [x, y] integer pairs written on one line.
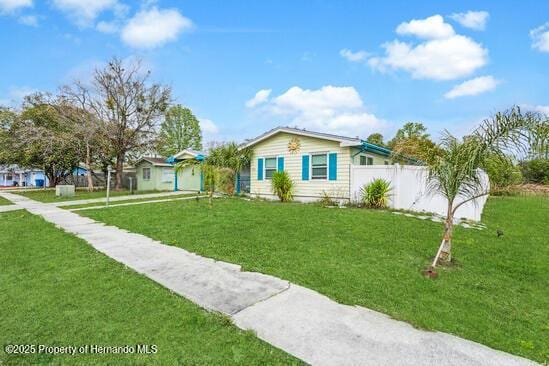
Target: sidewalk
[[300, 321]]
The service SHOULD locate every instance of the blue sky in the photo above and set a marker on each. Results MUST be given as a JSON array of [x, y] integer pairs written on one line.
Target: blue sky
[[243, 67]]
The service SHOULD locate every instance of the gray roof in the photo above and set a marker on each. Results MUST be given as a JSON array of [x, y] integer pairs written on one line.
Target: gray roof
[[153, 161], [348, 141]]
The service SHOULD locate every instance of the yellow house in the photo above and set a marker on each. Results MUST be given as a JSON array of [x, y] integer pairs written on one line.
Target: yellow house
[[318, 163]]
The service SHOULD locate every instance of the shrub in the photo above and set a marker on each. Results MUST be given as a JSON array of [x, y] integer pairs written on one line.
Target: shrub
[[282, 186], [227, 181], [376, 193], [502, 172], [536, 171]]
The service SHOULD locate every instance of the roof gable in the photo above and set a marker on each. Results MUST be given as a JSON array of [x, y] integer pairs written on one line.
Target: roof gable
[[344, 141]]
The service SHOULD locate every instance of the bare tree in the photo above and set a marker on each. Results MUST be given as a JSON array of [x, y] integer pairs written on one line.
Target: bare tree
[[76, 105], [129, 106]]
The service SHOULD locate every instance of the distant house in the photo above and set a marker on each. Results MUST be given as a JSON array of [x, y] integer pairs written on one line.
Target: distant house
[[15, 176], [155, 173], [318, 163]]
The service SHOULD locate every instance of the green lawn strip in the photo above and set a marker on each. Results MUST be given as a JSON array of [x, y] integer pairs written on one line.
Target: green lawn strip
[[49, 195], [496, 294], [4, 202], [57, 290], [114, 203]]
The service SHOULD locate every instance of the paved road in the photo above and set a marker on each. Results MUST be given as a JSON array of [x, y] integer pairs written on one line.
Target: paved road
[[298, 320]]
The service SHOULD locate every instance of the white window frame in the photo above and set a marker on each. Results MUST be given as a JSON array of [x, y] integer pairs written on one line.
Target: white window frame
[[367, 156], [311, 165], [143, 173], [265, 166]]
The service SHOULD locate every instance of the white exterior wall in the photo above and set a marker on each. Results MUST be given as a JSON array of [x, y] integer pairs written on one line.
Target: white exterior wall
[[309, 190], [409, 190]]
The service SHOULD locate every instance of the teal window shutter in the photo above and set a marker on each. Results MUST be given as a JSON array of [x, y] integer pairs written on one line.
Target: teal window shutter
[[260, 169], [305, 167], [280, 167], [332, 164]]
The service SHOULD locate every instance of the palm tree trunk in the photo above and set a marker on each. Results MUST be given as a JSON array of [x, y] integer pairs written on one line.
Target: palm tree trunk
[[444, 253]]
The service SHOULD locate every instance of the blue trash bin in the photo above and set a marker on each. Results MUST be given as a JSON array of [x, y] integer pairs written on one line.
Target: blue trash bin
[[39, 182]]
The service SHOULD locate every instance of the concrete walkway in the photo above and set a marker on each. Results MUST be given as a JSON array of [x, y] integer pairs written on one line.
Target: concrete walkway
[[120, 198], [6, 208], [300, 321], [137, 203]]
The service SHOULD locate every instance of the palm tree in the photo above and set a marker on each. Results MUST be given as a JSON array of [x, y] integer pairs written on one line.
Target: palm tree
[[456, 172], [226, 156]]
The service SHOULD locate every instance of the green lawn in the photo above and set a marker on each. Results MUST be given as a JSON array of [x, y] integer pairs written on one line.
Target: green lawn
[[4, 201], [49, 195], [57, 290], [496, 294]]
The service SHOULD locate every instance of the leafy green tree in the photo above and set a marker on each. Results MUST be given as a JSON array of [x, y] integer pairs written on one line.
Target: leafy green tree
[[456, 174], [376, 139], [41, 138], [413, 141], [179, 130], [415, 130], [7, 120], [502, 172]]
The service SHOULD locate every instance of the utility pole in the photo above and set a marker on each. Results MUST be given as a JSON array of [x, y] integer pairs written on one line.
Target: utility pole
[[109, 169]]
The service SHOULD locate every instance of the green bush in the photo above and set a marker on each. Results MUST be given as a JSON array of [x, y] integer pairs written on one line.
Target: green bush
[[376, 193], [536, 171], [282, 186], [502, 172], [227, 181]]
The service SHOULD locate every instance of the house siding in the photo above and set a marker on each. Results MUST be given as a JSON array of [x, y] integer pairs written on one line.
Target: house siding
[[311, 189], [378, 159], [185, 179], [155, 183]]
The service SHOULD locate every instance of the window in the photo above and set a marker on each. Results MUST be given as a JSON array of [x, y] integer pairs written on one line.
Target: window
[[270, 167], [146, 173], [167, 174], [319, 166], [366, 160]]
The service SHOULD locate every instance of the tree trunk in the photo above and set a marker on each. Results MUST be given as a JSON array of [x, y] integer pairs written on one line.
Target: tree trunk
[[119, 171], [446, 251], [88, 168]]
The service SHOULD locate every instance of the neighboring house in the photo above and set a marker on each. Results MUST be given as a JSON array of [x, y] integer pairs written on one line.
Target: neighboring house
[[159, 173], [13, 175], [318, 163]]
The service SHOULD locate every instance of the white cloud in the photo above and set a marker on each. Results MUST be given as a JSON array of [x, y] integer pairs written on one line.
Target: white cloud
[[540, 38], [152, 28], [444, 55], [30, 20], [259, 98], [439, 59], [329, 109], [16, 95], [84, 13], [472, 19], [474, 86], [208, 126], [10, 6], [544, 109], [351, 56], [107, 27], [432, 27]]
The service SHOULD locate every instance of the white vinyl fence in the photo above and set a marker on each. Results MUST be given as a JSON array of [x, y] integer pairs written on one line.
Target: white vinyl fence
[[410, 192]]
